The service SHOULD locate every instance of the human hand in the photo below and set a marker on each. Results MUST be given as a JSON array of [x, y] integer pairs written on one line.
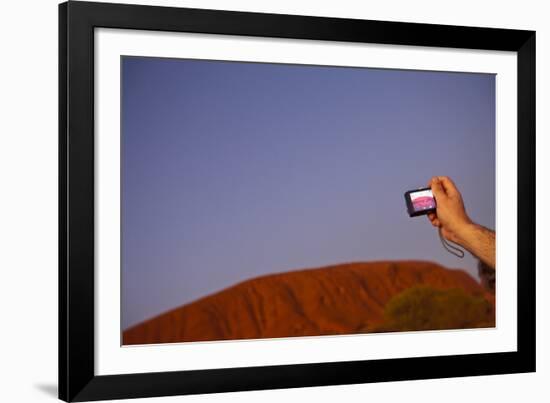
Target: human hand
[[450, 215]]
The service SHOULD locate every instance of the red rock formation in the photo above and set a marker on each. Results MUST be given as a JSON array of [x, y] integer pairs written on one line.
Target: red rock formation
[[340, 299]]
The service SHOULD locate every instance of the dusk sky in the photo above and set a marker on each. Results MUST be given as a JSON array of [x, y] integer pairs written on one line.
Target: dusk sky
[[234, 170]]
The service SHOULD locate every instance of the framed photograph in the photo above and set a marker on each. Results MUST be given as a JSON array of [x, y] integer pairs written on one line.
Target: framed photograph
[[231, 201]]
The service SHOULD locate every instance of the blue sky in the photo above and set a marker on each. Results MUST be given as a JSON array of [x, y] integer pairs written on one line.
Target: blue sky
[[233, 170]]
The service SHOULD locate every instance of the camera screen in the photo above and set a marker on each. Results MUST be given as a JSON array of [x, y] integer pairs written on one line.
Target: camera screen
[[422, 200]]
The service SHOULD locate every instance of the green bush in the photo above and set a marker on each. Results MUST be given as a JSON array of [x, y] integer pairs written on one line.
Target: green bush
[[427, 308]]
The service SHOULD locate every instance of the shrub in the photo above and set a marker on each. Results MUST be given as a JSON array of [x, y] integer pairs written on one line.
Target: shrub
[[427, 308]]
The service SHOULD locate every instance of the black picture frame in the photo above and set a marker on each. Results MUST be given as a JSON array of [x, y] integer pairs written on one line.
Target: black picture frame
[[77, 379]]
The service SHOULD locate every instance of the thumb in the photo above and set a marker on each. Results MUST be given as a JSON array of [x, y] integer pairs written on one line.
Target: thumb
[[437, 188]]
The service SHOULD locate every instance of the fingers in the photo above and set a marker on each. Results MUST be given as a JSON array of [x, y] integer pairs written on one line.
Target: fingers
[[434, 220], [448, 185], [443, 186], [437, 188]]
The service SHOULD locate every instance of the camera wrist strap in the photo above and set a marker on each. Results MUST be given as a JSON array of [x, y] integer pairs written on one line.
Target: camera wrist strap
[[449, 247]]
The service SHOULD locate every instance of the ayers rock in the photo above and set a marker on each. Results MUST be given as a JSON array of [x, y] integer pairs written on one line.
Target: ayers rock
[[340, 299]]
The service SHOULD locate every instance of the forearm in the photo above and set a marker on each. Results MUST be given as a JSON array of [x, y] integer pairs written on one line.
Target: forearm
[[480, 242]]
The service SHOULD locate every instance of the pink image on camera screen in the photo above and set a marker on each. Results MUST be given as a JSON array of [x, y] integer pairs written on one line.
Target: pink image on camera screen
[[423, 200]]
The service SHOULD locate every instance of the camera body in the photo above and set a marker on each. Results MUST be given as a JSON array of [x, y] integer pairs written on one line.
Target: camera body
[[420, 202]]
